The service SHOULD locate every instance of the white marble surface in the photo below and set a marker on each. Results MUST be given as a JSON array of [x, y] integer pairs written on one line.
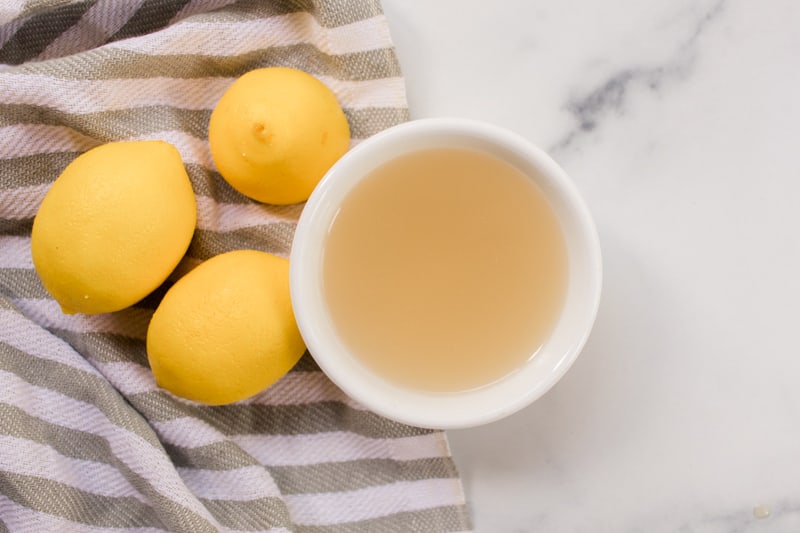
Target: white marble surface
[[678, 120]]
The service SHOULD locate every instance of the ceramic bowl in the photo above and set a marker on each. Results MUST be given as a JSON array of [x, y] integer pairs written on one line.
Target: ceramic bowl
[[453, 409]]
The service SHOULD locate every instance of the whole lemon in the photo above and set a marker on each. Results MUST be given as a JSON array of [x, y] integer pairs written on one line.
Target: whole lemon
[[275, 132], [225, 330], [113, 226]]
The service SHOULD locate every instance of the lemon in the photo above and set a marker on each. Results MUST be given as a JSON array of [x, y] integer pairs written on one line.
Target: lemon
[[275, 132], [113, 226], [225, 330]]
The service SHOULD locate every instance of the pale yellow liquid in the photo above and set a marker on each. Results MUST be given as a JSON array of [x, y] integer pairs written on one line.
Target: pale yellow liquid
[[445, 270]]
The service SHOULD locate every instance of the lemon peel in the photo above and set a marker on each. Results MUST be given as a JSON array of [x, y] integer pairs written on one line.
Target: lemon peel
[[226, 330], [275, 132], [113, 226]]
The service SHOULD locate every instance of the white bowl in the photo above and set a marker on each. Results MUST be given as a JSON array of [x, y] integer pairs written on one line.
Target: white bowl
[[457, 409]]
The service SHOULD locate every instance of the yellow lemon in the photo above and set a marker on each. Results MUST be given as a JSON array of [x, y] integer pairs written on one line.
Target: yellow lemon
[[113, 226], [275, 132], [225, 330]]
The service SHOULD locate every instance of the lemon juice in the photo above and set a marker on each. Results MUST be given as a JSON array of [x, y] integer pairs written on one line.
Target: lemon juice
[[445, 269]]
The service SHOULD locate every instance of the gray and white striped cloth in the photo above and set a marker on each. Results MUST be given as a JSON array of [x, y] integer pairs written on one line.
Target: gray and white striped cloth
[[87, 440]]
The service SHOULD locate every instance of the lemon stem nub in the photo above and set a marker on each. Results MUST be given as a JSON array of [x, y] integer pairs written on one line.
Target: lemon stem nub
[[261, 133]]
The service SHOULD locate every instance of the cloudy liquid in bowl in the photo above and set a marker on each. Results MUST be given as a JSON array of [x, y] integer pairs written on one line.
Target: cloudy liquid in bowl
[[445, 270]]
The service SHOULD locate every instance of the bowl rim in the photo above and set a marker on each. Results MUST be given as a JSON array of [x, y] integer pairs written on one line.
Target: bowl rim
[[414, 407]]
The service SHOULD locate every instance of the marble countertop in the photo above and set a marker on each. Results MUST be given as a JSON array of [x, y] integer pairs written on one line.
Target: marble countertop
[[678, 121]]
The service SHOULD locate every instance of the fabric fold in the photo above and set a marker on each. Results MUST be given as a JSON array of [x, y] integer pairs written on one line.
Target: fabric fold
[[88, 441]]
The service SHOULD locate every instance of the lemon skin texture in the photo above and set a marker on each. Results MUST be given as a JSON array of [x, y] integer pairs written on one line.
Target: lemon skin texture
[[113, 226], [226, 330], [275, 133]]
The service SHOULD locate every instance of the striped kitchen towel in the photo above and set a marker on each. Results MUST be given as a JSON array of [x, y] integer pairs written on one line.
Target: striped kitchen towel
[[87, 440]]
